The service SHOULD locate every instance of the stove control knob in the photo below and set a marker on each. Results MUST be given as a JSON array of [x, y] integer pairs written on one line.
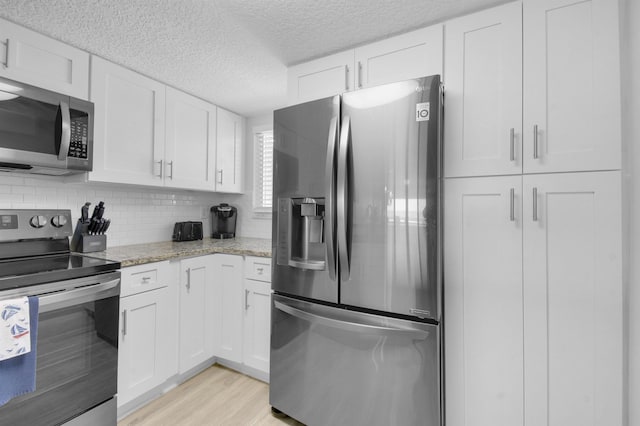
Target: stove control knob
[[38, 221], [59, 221]]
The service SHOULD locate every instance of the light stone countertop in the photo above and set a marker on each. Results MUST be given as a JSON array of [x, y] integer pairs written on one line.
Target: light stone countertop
[[138, 254]]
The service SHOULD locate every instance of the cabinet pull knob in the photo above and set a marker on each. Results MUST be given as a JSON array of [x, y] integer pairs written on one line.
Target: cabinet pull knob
[[246, 300], [512, 144], [6, 54], [124, 323], [220, 172], [535, 204], [359, 74], [188, 279], [535, 141], [161, 168], [346, 78], [146, 279], [512, 213]]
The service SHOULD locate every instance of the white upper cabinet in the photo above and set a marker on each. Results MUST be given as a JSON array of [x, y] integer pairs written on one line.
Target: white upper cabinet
[[32, 58], [567, 91], [414, 54], [230, 141], [190, 142], [571, 85], [129, 126], [320, 78], [483, 92], [573, 306]]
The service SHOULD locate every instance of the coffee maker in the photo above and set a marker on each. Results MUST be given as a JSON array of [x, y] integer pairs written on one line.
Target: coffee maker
[[223, 221]]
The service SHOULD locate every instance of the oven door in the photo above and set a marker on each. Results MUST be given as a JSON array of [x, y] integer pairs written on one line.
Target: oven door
[[77, 352], [43, 129]]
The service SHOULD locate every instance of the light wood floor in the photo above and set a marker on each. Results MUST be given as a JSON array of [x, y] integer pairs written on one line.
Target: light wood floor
[[217, 396]]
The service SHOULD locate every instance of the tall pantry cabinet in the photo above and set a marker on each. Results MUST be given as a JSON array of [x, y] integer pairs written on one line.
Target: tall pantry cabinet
[[533, 285]]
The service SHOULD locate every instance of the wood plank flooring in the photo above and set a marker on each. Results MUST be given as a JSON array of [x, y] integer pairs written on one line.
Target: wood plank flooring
[[217, 396]]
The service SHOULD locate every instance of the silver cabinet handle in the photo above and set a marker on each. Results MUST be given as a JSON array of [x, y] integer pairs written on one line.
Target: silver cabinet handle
[[260, 270], [359, 74], [124, 323], [535, 204], [170, 164], [65, 134], [220, 172], [342, 198], [160, 162], [512, 213], [535, 141], [512, 144], [346, 78], [246, 300], [330, 183], [146, 279], [188, 279], [6, 55]]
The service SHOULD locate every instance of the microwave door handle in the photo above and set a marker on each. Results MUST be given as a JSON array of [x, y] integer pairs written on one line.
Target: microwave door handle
[[65, 133]]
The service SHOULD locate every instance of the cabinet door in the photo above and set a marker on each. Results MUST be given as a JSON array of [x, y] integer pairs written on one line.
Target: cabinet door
[[257, 324], [196, 311], [229, 146], [228, 306], [573, 301], [190, 142], [483, 301], [41, 61], [129, 125], [483, 91], [410, 55], [321, 78], [571, 85], [144, 343]]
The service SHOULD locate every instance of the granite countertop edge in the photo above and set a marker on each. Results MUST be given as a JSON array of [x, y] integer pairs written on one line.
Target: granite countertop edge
[[139, 254]]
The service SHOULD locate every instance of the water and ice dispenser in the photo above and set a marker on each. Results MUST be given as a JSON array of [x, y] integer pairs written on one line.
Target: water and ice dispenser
[[301, 233]]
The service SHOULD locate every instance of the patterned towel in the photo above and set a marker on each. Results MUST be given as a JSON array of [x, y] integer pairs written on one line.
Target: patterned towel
[[18, 374], [14, 328]]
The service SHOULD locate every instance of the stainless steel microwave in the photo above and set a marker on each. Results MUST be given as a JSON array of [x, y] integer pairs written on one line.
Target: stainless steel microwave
[[44, 132]]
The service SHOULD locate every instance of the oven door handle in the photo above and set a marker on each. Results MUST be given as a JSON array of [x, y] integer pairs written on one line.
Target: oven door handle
[[66, 298]]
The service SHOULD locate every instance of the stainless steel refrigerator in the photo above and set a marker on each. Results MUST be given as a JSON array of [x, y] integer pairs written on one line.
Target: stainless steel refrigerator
[[356, 309]]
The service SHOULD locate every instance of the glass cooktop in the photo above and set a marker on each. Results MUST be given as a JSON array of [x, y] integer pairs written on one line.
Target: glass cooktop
[[28, 271]]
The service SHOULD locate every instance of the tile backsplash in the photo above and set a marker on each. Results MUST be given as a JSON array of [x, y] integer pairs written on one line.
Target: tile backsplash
[[138, 215]]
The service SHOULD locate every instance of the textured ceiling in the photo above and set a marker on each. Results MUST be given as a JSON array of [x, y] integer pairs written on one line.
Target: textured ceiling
[[231, 52]]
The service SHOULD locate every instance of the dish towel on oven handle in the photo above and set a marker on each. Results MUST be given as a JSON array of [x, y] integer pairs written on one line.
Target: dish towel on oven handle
[[14, 328], [18, 374]]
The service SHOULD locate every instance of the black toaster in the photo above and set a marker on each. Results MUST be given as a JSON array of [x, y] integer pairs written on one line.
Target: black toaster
[[187, 231]]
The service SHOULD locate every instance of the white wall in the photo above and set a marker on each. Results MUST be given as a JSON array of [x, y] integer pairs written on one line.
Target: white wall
[[138, 215], [630, 49]]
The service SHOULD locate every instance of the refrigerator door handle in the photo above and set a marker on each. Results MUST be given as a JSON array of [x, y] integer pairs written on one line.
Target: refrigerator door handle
[[329, 228], [342, 198], [358, 327]]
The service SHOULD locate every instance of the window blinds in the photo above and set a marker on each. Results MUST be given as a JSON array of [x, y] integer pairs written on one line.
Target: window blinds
[[263, 178]]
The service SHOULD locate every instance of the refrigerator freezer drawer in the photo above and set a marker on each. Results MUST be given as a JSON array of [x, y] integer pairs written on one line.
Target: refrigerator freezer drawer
[[331, 366]]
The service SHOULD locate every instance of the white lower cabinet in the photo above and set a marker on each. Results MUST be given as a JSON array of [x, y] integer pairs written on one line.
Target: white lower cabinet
[[257, 313], [228, 306], [146, 352], [197, 310], [533, 300]]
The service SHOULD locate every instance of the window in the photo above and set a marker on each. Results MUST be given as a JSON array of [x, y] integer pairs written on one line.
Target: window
[[263, 170]]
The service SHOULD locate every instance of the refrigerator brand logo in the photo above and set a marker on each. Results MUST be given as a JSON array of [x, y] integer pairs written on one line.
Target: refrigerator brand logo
[[422, 111]]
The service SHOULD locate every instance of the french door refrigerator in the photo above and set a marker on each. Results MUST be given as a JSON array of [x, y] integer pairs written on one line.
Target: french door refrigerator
[[356, 308]]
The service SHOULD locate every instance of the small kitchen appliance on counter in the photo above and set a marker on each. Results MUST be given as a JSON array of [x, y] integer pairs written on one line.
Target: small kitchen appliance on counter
[[223, 221], [187, 231]]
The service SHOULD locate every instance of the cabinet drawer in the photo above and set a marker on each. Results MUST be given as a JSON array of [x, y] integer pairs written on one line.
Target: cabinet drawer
[[137, 279], [258, 268]]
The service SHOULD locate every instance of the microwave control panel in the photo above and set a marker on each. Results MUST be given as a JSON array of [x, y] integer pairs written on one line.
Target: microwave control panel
[[79, 135]]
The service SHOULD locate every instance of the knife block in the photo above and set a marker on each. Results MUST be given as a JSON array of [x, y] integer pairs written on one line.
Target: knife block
[[82, 242]]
